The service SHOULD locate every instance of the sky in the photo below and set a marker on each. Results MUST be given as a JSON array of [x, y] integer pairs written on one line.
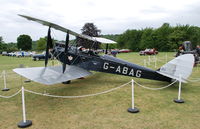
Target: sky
[[110, 16]]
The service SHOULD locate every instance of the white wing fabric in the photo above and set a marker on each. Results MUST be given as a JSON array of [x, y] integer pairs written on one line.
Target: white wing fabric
[[52, 75], [58, 27], [104, 40], [180, 66]]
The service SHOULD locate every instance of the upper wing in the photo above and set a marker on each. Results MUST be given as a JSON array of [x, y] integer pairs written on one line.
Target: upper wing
[[104, 40], [52, 75], [57, 27]]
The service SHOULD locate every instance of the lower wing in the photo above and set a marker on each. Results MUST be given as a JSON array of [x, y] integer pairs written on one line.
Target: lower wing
[[53, 74]]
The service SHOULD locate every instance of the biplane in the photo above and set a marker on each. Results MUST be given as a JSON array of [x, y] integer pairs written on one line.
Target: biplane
[[77, 63]]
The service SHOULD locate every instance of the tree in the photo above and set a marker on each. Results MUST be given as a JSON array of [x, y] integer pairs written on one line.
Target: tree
[[91, 30], [41, 44], [130, 39], [161, 37], [193, 33], [11, 47], [1, 44], [24, 42], [147, 39], [1, 39]]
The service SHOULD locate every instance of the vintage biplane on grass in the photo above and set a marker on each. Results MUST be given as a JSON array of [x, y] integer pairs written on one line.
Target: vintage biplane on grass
[[77, 63]]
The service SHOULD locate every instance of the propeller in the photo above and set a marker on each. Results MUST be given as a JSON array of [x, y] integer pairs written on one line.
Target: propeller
[[106, 49], [67, 43], [66, 51], [49, 45]]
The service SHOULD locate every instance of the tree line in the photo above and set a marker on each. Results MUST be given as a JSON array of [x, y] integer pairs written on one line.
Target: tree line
[[164, 38]]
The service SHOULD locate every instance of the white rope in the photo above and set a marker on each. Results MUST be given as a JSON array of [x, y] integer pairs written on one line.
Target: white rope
[[155, 88], [81, 96], [160, 60], [194, 80], [7, 97]]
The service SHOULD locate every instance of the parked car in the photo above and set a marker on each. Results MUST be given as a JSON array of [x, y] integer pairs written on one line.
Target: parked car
[[19, 54], [40, 56], [148, 52], [4, 53], [23, 54], [124, 51], [11, 54], [27, 54]]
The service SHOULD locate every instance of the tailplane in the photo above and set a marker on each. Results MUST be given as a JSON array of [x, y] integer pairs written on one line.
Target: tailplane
[[180, 66]]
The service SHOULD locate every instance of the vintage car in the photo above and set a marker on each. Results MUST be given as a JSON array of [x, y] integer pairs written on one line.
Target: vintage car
[[124, 51], [148, 52]]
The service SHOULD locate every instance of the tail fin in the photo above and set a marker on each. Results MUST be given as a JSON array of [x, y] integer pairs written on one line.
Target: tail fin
[[180, 66]]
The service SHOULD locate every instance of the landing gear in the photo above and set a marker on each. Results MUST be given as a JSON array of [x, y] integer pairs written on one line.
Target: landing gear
[[66, 82]]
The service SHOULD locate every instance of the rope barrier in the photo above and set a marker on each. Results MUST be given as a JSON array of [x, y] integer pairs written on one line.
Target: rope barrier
[[89, 95], [155, 88], [7, 97], [194, 80], [160, 60], [81, 96]]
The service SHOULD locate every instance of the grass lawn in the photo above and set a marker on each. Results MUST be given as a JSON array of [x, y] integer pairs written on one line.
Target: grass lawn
[[107, 111]]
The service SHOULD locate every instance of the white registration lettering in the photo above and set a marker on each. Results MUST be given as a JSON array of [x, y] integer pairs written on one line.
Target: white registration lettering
[[131, 72], [138, 73], [118, 69], [125, 70], [105, 65]]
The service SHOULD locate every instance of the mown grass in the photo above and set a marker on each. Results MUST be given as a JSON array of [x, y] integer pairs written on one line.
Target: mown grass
[[107, 111]]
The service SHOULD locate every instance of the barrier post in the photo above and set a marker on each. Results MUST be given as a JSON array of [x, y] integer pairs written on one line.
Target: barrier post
[[145, 63], [149, 60], [133, 109], [155, 61], [179, 100], [24, 123], [4, 80]]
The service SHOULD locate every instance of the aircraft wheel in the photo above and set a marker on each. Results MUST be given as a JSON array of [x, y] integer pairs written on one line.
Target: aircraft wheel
[[67, 82]]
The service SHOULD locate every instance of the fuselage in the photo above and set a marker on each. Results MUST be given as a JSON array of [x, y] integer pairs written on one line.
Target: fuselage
[[108, 64]]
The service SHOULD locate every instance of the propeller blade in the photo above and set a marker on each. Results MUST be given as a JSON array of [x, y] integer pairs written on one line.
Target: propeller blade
[[49, 44], [66, 51], [106, 49], [64, 67], [67, 43]]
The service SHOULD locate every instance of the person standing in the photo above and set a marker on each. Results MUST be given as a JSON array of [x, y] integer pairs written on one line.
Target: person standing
[[198, 49]]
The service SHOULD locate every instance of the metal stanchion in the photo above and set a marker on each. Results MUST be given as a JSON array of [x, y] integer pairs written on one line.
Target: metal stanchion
[[133, 109], [24, 123], [179, 100], [4, 80]]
